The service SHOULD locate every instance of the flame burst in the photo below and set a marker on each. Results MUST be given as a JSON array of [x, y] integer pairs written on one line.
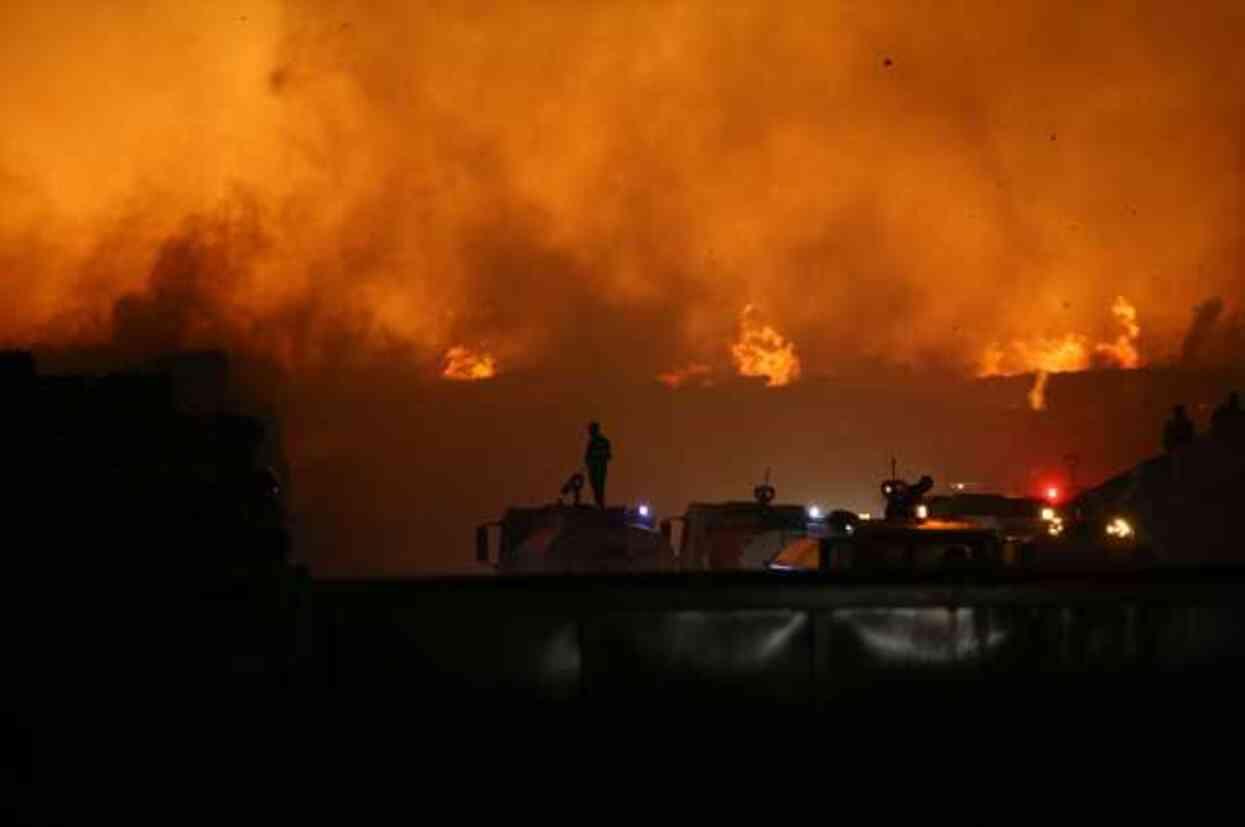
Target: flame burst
[[762, 351], [1123, 351], [465, 365], [1037, 394], [1066, 354], [696, 372]]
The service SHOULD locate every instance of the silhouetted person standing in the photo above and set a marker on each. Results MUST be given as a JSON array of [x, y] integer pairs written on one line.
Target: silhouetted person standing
[[597, 458], [1178, 432], [1228, 416]]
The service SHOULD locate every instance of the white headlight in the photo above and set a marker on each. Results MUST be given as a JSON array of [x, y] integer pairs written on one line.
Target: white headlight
[[922, 512], [1048, 514], [814, 512], [644, 511]]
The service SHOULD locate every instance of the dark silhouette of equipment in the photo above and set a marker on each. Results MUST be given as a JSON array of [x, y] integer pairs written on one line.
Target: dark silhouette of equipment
[[841, 521], [764, 493], [597, 457], [903, 498], [1014, 519], [573, 488]]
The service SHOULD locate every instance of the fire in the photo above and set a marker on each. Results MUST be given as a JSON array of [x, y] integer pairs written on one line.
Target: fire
[[1067, 354], [763, 351], [695, 372], [1123, 351], [465, 365], [1061, 355], [1037, 394]]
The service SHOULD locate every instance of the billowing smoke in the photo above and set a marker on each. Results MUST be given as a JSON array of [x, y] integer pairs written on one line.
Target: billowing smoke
[[402, 193], [554, 183], [1205, 316]]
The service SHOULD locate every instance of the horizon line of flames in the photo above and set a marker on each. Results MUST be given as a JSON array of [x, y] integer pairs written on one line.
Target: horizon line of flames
[[760, 352], [1070, 353]]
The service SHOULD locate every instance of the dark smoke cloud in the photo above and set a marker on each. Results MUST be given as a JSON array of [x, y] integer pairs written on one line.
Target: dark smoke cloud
[[1205, 315], [182, 302]]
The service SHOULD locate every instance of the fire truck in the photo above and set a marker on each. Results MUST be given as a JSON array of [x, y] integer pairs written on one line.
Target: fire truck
[[745, 535], [573, 538]]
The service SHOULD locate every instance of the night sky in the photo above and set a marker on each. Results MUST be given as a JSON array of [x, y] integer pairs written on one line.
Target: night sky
[[439, 238]]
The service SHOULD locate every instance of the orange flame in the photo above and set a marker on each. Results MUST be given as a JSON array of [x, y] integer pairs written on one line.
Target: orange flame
[[465, 365], [762, 351], [1067, 354], [1123, 351], [1063, 355], [1037, 394], [701, 374]]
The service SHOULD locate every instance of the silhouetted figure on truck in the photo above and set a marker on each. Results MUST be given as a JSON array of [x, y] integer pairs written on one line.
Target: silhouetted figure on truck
[[1178, 432], [597, 457]]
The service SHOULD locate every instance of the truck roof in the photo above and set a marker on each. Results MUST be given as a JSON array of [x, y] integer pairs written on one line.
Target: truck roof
[[931, 531], [986, 505], [744, 505]]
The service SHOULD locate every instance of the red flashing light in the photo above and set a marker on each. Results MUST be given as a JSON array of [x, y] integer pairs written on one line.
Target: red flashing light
[[1052, 494]]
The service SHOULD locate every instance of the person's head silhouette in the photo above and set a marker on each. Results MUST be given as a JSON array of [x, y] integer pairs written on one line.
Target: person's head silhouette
[[594, 428], [1178, 412]]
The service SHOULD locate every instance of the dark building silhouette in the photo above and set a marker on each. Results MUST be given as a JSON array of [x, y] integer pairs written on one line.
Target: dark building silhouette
[[155, 461]]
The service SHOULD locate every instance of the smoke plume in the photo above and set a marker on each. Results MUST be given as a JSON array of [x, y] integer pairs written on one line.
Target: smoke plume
[[1205, 315]]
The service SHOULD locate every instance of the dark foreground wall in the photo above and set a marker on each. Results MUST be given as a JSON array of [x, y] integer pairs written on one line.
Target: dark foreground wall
[[630, 641], [182, 677], [179, 650], [803, 641]]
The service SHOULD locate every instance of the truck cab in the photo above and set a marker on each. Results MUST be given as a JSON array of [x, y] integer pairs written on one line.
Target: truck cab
[[738, 535], [743, 535], [930, 545], [1016, 519]]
